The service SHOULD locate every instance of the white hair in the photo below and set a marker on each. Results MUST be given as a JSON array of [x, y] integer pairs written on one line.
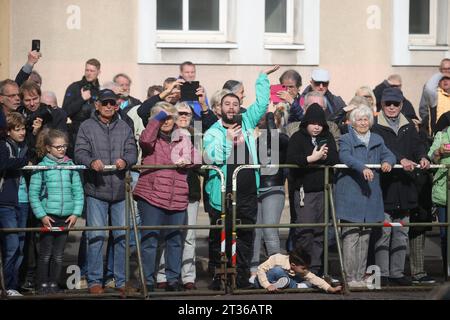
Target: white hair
[[360, 112]]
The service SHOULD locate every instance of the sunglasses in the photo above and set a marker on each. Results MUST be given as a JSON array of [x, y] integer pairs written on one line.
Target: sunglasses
[[184, 113], [323, 83], [392, 103], [61, 147], [110, 102]]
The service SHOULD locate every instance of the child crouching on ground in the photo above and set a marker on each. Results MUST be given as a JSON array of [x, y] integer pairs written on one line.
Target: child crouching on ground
[[289, 271], [57, 198]]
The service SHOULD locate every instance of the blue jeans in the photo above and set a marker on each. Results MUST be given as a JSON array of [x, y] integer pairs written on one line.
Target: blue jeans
[[154, 216], [97, 216], [109, 272], [276, 273], [22, 223], [11, 244]]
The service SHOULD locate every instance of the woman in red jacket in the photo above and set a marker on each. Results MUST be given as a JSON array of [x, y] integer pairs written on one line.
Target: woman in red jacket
[[162, 194]]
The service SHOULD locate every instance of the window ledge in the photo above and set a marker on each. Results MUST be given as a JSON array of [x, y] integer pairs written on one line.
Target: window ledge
[[428, 48], [187, 45], [284, 46]]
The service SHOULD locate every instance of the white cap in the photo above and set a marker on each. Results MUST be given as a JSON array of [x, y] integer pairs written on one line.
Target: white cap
[[320, 75]]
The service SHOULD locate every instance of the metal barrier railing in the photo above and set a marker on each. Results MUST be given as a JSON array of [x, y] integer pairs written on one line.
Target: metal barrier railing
[[224, 271], [129, 209], [329, 201]]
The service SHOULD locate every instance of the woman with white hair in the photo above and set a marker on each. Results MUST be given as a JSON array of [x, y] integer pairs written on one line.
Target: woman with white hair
[[358, 195]]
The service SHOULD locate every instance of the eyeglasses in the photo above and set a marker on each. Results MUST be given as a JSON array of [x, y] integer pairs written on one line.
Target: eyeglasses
[[184, 113], [11, 95], [323, 83], [61, 147], [110, 102], [396, 85], [368, 97], [392, 103]]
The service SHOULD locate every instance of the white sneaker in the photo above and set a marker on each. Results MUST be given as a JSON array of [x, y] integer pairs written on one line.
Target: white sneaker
[[357, 284], [13, 293], [330, 279], [252, 279], [281, 283], [304, 285]]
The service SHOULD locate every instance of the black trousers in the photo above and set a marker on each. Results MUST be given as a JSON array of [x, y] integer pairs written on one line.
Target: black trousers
[[51, 253], [247, 209]]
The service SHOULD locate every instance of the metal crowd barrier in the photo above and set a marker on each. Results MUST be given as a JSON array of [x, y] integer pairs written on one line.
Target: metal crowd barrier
[[130, 208], [225, 271], [328, 196]]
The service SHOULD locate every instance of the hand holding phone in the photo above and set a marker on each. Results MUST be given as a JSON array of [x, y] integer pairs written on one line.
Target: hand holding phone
[[274, 91], [36, 45], [189, 91], [237, 118]]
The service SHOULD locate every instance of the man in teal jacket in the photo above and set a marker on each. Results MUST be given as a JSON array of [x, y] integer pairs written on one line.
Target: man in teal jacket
[[228, 144]]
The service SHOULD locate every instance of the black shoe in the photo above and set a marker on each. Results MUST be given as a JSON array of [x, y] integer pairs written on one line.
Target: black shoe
[[216, 284], [53, 288], [384, 281], [173, 286], [43, 289], [403, 281], [27, 286], [424, 280]]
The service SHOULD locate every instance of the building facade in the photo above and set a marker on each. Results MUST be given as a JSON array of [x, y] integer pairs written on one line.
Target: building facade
[[360, 42]]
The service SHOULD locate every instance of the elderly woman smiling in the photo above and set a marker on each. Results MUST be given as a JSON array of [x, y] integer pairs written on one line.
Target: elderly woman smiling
[[358, 193]]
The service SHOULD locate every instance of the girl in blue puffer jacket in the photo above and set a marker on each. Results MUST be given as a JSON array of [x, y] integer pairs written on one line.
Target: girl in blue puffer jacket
[[56, 197]]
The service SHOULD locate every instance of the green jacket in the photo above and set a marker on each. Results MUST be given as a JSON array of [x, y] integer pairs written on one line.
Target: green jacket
[[217, 148], [439, 191], [56, 192]]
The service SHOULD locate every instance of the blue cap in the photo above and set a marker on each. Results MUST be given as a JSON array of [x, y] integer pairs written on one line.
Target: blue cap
[[392, 94]]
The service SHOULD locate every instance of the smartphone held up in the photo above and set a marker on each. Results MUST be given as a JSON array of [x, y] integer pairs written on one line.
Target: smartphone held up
[[36, 45]]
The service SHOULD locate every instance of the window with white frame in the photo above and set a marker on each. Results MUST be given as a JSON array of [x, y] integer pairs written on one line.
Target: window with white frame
[[423, 22], [191, 20], [279, 21], [420, 31]]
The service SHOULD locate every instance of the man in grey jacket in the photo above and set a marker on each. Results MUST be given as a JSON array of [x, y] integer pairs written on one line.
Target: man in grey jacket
[[104, 139]]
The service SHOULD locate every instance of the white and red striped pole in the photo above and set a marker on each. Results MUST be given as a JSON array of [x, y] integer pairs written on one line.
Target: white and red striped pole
[[392, 224], [233, 250]]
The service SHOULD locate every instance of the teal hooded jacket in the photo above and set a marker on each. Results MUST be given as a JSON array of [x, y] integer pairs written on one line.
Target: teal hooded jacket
[[56, 192], [217, 148]]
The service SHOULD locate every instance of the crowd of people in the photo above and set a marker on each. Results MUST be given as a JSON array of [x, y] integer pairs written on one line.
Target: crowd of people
[[100, 125]]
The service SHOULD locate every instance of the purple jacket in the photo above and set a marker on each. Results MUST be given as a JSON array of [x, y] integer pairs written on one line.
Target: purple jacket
[[164, 188]]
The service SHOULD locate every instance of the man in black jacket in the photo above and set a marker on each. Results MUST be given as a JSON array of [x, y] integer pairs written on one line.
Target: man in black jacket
[[400, 195], [394, 81], [79, 99], [320, 82]]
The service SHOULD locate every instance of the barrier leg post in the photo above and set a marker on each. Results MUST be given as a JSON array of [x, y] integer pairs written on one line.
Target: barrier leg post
[[233, 240], [128, 205], [138, 251], [338, 242], [326, 218]]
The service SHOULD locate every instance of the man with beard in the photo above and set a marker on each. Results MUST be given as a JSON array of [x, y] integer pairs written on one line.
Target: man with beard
[[228, 144]]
